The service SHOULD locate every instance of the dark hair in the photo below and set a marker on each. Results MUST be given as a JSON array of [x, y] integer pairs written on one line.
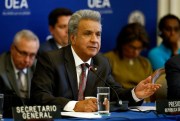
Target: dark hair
[[129, 33], [162, 22], [53, 16], [162, 25]]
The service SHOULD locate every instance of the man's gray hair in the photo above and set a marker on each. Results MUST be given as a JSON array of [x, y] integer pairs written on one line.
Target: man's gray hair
[[79, 15], [27, 35]]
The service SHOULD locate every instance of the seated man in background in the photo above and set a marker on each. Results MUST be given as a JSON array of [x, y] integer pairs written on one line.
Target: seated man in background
[[172, 69], [17, 67], [128, 66], [58, 26], [57, 76], [169, 27]]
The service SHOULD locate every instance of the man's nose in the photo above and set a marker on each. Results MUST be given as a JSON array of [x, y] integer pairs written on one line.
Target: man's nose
[[28, 59], [94, 38]]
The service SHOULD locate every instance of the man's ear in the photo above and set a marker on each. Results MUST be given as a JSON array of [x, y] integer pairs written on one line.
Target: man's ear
[[11, 47], [73, 39], [51, 29]]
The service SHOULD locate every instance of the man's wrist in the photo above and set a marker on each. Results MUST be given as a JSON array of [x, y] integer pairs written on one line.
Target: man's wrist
[[134, 95]]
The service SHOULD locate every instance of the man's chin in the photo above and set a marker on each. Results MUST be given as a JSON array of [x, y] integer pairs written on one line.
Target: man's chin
[[27, 66], [93, 54]]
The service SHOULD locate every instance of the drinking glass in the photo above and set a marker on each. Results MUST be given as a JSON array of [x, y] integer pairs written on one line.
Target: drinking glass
[[103, 99]]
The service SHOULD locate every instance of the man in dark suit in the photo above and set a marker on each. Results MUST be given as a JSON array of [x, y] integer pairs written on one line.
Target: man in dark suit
[[56, 79], [21, 58], [58, 27], [172, 69]]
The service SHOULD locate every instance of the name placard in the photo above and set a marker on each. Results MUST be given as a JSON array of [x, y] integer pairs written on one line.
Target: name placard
[[168, 106], [36, 112]]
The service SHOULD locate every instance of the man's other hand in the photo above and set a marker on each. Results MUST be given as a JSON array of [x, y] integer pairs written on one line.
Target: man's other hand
[[88, 105], [146, 88]]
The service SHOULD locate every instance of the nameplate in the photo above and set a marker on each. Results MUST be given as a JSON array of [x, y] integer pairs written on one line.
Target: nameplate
[[36, 112], [168, 106]]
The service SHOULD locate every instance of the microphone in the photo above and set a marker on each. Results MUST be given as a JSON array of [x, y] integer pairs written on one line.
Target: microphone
[[115, 106]]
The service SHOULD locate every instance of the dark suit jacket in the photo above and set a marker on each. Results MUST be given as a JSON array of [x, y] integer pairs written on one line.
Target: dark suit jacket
[[48, 45], [172, 68], [8, 85], [55, 79]]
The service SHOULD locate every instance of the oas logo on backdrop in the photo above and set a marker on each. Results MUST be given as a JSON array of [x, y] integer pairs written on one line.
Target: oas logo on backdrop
[[103, 6], [16, 7], [136, 16]]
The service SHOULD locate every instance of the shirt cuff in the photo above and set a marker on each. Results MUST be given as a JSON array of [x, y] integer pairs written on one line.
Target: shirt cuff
[[70, 106], [134, 96]]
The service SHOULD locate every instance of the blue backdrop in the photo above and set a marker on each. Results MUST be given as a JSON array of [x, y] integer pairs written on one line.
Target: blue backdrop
[[32, 14]]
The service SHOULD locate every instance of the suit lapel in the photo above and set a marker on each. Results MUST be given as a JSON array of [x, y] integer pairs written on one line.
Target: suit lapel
[[11, 76], [71, 71]]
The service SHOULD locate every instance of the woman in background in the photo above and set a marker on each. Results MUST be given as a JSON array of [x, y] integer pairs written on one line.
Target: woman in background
[[169, 27], [128, 66]]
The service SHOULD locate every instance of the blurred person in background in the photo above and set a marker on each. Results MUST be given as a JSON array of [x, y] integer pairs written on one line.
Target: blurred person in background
[[20, 60], [58, 26], [169, 27], [128, 66]]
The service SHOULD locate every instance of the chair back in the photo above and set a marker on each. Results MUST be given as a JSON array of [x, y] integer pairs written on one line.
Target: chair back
[[159, 77]]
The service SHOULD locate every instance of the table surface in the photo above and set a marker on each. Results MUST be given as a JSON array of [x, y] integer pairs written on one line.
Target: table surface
[[126, 116], [132, 115]]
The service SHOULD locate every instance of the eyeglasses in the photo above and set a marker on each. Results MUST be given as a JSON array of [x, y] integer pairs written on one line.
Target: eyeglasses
[[25, 54]]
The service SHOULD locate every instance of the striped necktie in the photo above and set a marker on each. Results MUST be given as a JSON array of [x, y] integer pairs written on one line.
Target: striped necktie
[[82, 83]]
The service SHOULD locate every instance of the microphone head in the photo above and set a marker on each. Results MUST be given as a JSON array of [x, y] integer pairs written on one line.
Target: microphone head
[[90, 67], [87, 65]]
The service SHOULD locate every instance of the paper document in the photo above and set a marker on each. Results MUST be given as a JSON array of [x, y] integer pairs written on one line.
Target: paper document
[[142, 108], [81, 114]]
